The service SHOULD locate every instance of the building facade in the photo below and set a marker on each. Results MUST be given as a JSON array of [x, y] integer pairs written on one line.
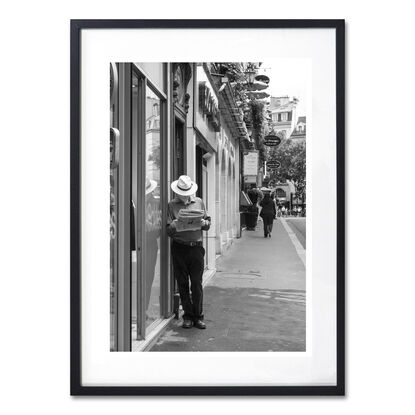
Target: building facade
[[283, 115], [167, 119], [284, 193], [300, 131]]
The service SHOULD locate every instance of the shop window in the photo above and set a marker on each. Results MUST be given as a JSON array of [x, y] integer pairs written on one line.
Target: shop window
[[146, 284], [152, 215]]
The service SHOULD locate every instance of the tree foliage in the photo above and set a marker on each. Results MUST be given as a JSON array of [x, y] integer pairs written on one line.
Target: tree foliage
[[292, 156], [253, 110], [154, 156], [257, 115]]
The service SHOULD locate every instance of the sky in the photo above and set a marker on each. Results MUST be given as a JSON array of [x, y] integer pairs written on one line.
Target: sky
[[288, 77]]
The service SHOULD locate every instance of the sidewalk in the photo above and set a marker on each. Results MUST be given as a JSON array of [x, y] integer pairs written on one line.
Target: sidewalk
[[255, 302]]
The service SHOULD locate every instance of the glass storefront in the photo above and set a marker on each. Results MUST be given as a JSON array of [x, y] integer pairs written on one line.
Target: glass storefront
[[138, 293]]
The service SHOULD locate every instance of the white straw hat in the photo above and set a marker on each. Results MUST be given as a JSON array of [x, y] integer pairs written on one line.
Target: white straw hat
[[150, 185], [184, 186]]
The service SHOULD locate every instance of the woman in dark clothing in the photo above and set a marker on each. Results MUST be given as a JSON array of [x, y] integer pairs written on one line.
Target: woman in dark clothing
[[268, 214]]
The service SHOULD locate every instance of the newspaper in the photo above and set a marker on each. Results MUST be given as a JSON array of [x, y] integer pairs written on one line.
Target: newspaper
[[189, 220]]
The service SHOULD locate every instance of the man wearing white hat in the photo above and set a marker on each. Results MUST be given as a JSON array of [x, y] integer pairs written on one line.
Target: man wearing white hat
[[187, 249]]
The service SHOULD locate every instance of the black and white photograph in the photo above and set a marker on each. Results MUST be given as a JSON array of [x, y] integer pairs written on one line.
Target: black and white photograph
[[210, 220], [211, 250]]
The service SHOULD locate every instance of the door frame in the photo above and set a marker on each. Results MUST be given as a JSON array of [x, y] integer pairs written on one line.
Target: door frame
[[144, 83]]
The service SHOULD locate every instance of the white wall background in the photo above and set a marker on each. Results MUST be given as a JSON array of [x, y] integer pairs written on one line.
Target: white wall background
[[34, 111]]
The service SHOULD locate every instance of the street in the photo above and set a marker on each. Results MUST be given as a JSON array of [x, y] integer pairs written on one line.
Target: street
[[298, 225], [256, 300]]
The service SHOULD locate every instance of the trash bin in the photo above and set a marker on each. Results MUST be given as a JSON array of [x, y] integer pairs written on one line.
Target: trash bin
[[251, 218], [243, 218]]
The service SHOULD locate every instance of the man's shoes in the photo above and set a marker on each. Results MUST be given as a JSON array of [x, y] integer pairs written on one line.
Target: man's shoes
[[200, 324], [187, 323]]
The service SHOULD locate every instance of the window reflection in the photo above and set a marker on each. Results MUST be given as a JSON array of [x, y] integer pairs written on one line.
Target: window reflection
[[152, 207], [146, 224]]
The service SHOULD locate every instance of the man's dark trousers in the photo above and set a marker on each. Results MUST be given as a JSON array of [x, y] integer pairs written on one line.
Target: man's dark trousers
[[188, 261]]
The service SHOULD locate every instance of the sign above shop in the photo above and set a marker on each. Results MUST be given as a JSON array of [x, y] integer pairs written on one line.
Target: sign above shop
[[208, 105], [274, 164], [251, 163], [272, 140]]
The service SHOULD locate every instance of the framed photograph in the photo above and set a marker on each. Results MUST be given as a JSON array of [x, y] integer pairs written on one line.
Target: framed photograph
[[207, 207]]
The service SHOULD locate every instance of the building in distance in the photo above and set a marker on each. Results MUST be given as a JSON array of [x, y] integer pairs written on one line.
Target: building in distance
[[300, 130], [283, 115]]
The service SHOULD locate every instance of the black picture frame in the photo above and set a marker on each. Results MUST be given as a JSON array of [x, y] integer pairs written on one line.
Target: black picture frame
[[76, 387]]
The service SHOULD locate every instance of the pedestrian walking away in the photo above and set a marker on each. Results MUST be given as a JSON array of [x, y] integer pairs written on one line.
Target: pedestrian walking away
[[187, 218], [268, 212]]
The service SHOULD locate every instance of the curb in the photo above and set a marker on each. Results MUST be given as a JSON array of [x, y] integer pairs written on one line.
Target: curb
[[301, 252]]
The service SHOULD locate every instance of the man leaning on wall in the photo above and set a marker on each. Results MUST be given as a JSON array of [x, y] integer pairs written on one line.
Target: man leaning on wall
[[186, 219]]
